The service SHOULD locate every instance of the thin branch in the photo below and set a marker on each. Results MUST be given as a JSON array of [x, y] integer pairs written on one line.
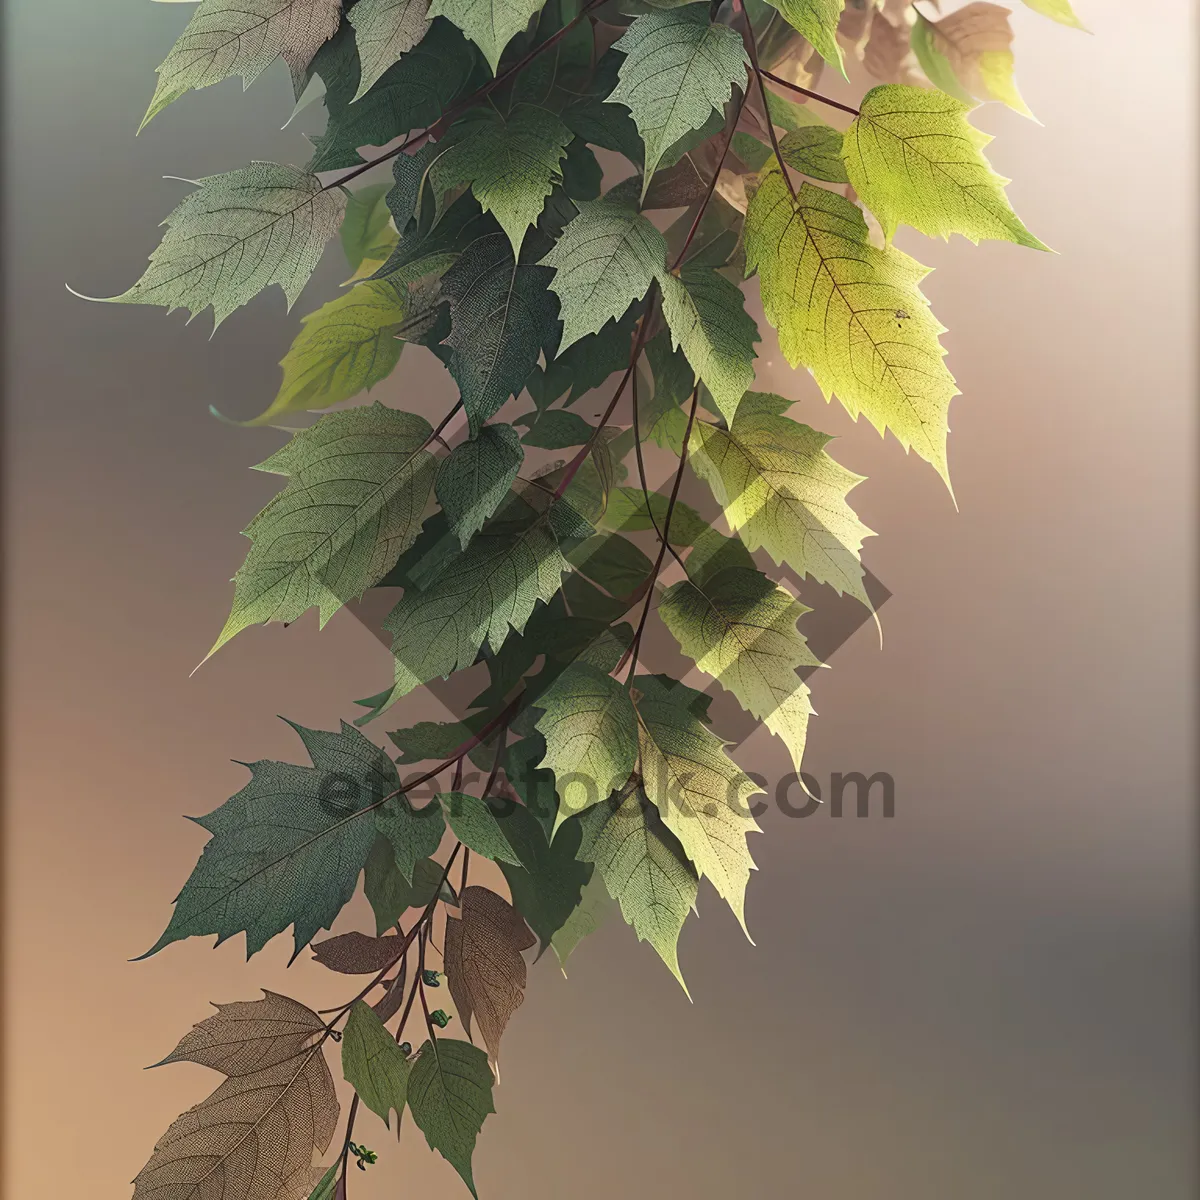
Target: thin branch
[[349, 1134], [795, 87], [641, 466], [456, 110], [752, 47]]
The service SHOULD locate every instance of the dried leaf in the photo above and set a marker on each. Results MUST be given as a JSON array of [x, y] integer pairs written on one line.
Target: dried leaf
[[888, 54], [484, 966], [357, 953]]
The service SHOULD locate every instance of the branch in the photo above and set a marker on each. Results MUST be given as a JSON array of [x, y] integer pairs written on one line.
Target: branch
[[752, 48], [795, 87]]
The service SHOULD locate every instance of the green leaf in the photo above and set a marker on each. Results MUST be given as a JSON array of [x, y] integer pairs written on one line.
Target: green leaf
[[548, 886], [484, 967], [644, 869], [708, 320], [373, 1063], [475, 824], [591, 737], [815, 151], [476, 477], [359, 482], [933, 60], [678, 68], [385, 30], [367, 235], [1057, 10], [700, 793], [586, 364], [585, 919], [450, 1094], [817, 22], [324, 1188], [242, 37], [429, 740], [613, 562], [914, 158], [287, 849], [386, 890], [628, 512], [851, 312], [235, 235], [473, 601], [512, 163], [740, 628], [556, 430], [490, 24], [792, 116], [607, 258], [501, 316], [345, 347], [410, 95], [414, 833], [779, 489]]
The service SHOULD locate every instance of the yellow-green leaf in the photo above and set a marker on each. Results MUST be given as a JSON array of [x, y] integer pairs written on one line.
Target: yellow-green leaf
[[1057, 10], [915, 159], [851, 312], [817, 23]]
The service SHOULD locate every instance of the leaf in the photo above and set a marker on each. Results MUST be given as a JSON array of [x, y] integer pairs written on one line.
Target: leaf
[[235, 235], [584, 365], [607, 258], [614, 563], [254, 1137], [450, 1094], [779, 489], [969, 52], [411, 94], [474, 601], [366, 233], [644, 869], [678, 68], [429, 740], [887, 54], [373, 1063], [392, 1000], [327, 1182], [512, 163], [414, 833], [699, 792], [287, 849], [389, 894], [817, 22], [628, 511], [356, 953], [591, 737], [242, 37], [501, 315], [484, 967], [584, 920], [547, 888], [913, 158], [851, 312], [358, 484], [740, 627], [346, 347], [384, 30], [815, 151], [490, 24], [476, 477], [557, 429], [708, 320], [474, 822], [1057, 10]]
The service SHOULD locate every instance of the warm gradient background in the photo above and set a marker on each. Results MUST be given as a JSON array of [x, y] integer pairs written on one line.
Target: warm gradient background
[[990, 996]]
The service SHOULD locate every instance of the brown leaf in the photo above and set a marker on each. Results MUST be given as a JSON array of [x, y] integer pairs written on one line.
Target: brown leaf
[[357, 953], [969, 33], [389, 1005], [888, 53], [254, 1137], [855, 21], [484, 967]]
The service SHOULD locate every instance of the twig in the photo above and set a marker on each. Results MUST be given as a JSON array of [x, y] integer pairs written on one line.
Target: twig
[[795, 87], [752, 47]]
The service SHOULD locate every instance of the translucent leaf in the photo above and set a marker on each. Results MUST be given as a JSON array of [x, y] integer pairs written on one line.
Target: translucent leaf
[[779, 489], [815, 151], [384, 30], [678, 68], [591, 737], [476, 477], [490, 24], [373, 1063], [644, 869], [914, 158], [817, 22], [851, 312], [475, 823], [707, 317], [450, 1095], [237, 234], [584, 920], [366, 232], [607, 258], [287, 849], [254, 1137], [740, 628], [484, 967], [702, 795], [358, 485], [1057, 10], [242, 37], [414, 833]]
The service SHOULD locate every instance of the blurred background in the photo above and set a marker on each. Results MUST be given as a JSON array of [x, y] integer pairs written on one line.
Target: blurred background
[[989, 995]]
